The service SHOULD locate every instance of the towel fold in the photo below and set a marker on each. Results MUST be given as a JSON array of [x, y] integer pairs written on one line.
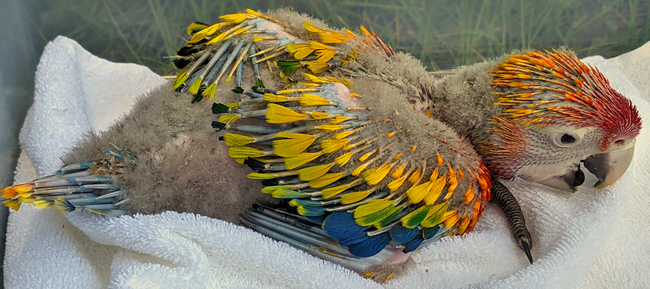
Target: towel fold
[[590, 239]]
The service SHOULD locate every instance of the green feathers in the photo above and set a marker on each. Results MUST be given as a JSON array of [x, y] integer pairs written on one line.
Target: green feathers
[[376, 212], [415, 217], [435, 215], [287, 67], [425, 216], [180, 79], [218, 108]]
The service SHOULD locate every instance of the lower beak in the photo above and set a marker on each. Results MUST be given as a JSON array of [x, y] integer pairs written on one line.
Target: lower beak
[[607, 167]]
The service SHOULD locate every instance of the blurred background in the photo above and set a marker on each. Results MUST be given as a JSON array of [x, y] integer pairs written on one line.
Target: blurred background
[[441, 33]]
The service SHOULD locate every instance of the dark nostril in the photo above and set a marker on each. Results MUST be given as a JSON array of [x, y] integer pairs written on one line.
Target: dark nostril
[[619, 142]]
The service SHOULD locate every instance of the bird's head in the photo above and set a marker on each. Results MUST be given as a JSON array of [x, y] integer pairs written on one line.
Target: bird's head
[[559, 112]]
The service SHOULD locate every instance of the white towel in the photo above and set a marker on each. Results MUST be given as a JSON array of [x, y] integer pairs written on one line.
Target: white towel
[[590, 239]]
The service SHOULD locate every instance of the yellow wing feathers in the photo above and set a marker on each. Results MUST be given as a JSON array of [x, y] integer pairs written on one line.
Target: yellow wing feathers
[[219, 52], [362, 166], [317, 143]]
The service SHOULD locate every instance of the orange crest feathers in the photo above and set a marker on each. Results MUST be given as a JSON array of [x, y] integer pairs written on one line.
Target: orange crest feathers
[[551, 88]]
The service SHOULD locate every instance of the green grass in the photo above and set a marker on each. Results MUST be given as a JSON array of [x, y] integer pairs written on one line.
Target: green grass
[[442, 34]]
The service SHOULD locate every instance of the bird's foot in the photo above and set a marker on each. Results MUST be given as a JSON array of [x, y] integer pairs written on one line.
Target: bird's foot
[[503, 198]]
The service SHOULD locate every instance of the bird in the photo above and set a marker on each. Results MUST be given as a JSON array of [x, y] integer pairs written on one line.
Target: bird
[[329, 140]]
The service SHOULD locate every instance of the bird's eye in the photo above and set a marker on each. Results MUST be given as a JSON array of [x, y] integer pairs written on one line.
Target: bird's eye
[[566, 139]]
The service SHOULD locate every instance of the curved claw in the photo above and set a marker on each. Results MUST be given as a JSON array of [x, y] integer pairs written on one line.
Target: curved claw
[[503, 198], [525, 244]]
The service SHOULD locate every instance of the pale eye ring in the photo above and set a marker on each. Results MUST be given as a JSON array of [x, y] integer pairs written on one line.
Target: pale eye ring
[[567, 139]]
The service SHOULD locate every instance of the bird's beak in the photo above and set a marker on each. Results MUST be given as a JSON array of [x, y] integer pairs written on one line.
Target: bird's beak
[[609, 167], [606, 167]]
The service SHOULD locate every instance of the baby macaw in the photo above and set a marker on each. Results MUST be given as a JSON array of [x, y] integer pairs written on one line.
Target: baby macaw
[[374, 155]]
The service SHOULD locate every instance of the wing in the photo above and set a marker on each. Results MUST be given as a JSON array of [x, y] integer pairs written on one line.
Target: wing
[[365, 175], [364, 172], [216, 54]]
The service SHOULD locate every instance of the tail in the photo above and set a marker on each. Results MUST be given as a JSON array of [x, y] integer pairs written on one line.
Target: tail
[[83, 186]]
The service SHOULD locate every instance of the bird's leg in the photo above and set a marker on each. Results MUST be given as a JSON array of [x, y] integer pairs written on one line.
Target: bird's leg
[[503, 198]]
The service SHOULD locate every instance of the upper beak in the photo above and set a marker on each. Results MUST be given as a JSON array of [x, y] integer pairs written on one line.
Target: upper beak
[[607, 167]]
